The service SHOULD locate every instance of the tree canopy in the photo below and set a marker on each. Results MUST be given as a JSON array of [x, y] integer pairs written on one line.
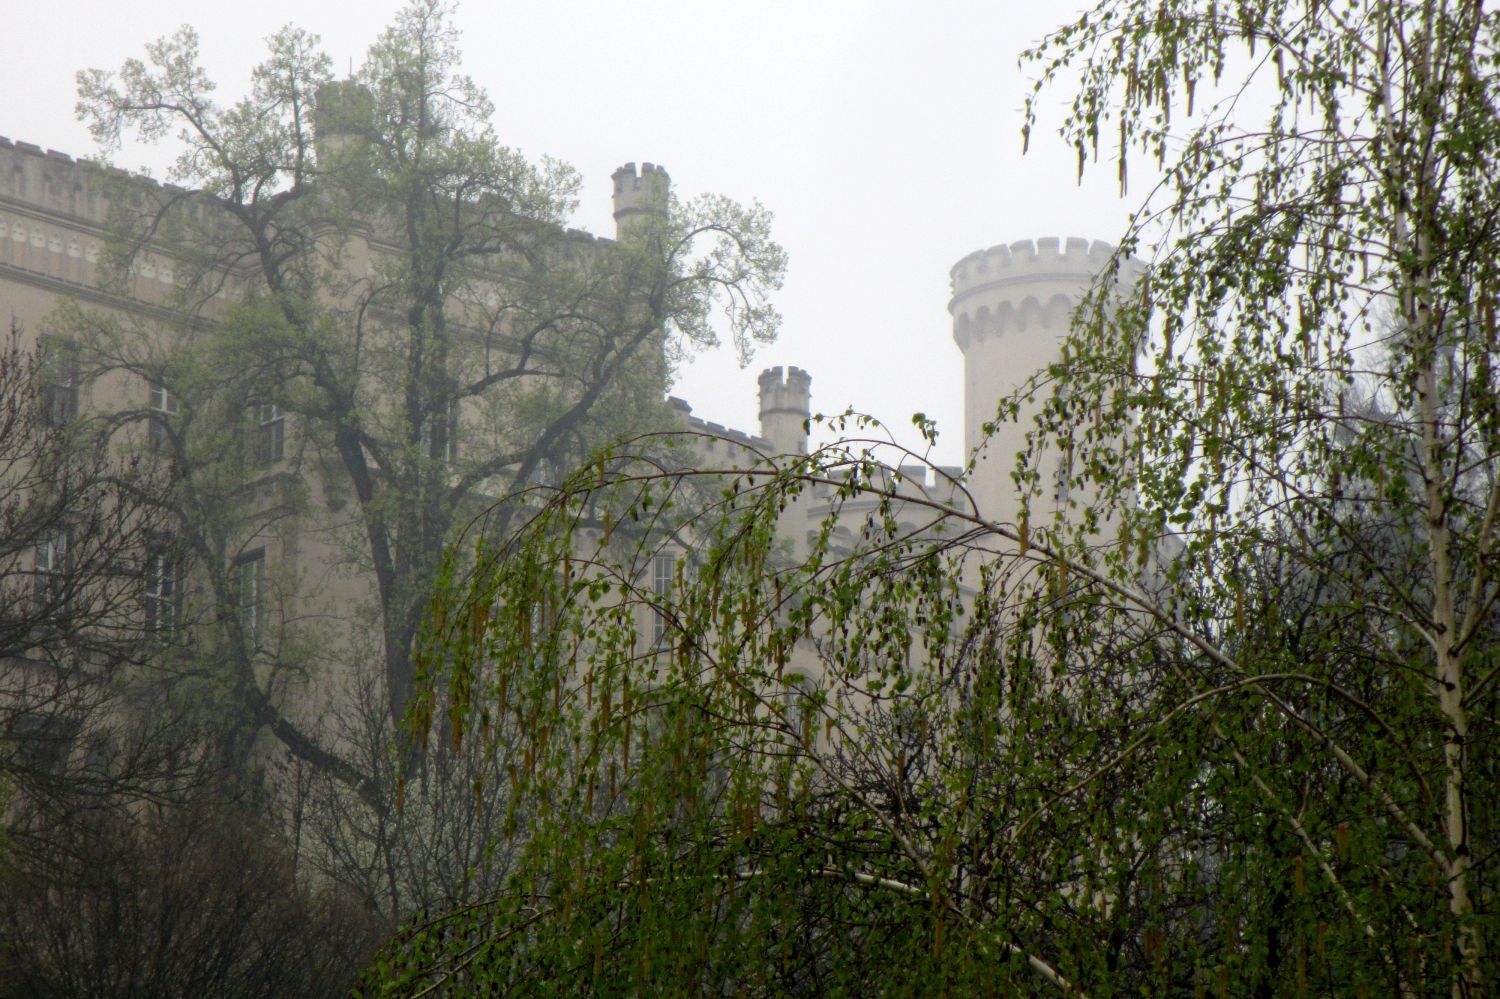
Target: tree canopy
[[389, 298], [377, 324]]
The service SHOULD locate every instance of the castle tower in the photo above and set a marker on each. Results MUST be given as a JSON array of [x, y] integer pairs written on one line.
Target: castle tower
[[639, 198], [785, 405], [1011, 307], [343, 117]]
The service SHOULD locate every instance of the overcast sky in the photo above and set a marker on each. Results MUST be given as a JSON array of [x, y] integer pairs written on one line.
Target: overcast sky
[[885, 139]]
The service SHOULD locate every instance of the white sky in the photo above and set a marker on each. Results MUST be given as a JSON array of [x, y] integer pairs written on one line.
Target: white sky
[[885, 139]]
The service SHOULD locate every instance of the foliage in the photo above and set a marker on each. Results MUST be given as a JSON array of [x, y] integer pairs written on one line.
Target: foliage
[[1225, 725], [1321, 399], [366, 257]]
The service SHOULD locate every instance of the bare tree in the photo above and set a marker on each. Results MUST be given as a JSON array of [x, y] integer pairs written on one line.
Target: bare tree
[[82, 595]]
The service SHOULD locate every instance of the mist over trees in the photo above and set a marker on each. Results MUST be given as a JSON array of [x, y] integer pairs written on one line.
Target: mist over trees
[[592, 723]]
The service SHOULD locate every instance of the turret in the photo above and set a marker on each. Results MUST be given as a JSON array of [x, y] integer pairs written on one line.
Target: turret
[[343, 116], [1011, 307], [785, 406], [640, 198]]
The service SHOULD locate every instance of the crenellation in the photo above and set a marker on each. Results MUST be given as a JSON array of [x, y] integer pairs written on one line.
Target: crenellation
[[54, 211], [640, 196], [717, 430], [1026, 259], [915, 473], [785, 406], [627, 179]]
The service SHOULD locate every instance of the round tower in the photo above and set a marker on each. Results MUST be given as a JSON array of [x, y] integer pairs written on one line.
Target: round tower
[[639, 197], [785, 405], [1011, 307]]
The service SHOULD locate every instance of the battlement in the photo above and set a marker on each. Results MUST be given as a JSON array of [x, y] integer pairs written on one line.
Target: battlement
[[55, 208], [794, 379], [728, 434], [790, 394], [49, 179], [640, 196], [52, 183], [343, 117], [785, 405], [648, 179], [1046, 258], [1028, 285], [54, 216]]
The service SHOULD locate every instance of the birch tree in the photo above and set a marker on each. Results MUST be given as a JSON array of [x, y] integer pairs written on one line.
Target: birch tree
[[1225, 726]]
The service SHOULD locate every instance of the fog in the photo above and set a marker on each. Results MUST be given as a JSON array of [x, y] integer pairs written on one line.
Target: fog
[[886, 141]]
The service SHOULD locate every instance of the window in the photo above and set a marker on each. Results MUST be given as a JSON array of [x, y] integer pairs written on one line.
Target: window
[[42, 741], [163, 407], [250, 585], [270, 433], [663, 571], [59, 394], [439, 434], [163, 591], [51, 569]]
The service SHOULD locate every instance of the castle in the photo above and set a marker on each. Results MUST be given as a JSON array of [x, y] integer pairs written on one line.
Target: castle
[[286, 574], [1010, 303]]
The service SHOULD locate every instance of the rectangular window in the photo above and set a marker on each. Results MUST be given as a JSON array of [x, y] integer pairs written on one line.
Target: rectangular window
[[40, 741], [663, 572], [60, 402], [163, 591], [439, 435], [163, 408], [270, 433], [250, 585], [57, 395], [51, 570]]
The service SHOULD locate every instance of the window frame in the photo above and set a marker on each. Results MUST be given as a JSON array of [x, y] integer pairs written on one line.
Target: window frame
[[250, 593], [163, 590], [59, 391], [50, 565], [449, 423], [663, 579], [163, 405], [270, 433]]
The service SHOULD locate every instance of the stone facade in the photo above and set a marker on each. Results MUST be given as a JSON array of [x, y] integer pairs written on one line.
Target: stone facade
[[1010, 306]]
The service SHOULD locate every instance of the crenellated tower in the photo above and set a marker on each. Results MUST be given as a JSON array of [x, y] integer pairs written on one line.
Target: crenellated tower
[[1011, 307], [640, 197], [785, 406], [343, 119]]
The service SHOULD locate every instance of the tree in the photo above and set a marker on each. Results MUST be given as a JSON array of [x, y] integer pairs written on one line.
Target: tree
[[90, 723], [1361, 203], [76, 535], [1225, 725], [126, 899], [387, 297]]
